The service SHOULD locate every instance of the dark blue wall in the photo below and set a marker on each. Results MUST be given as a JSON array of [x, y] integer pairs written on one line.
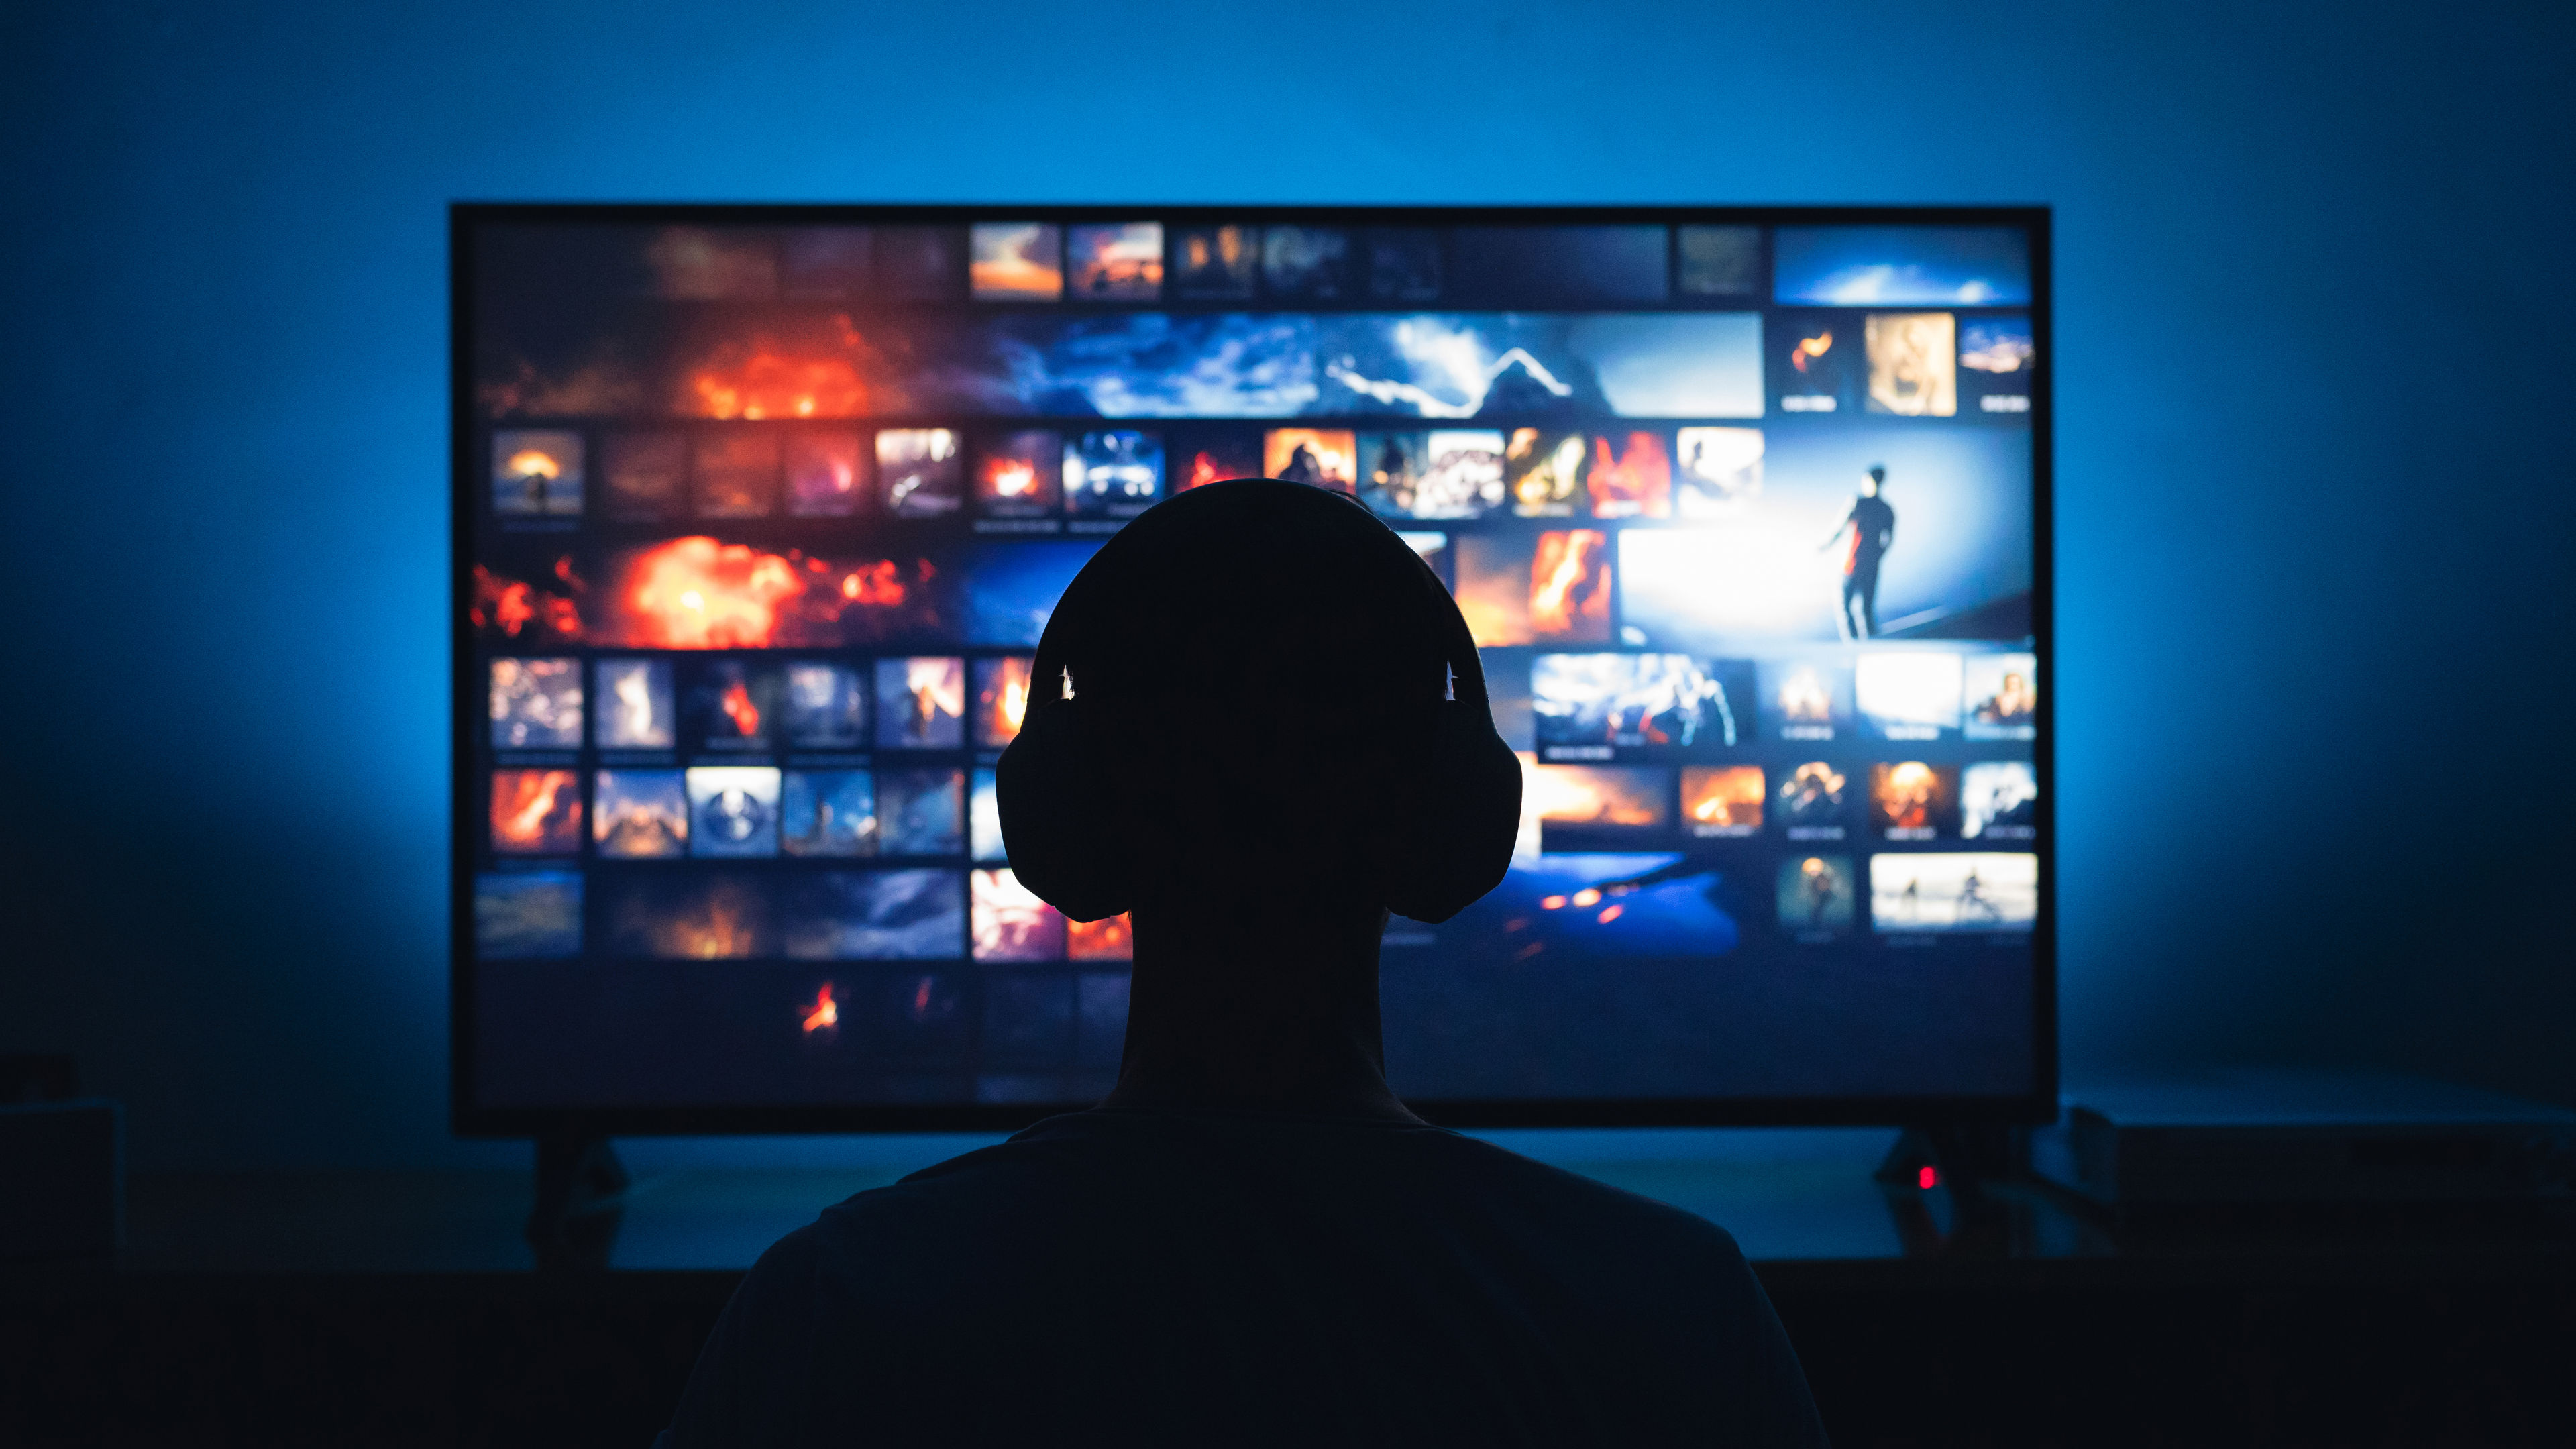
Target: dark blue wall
[[2314, 271]]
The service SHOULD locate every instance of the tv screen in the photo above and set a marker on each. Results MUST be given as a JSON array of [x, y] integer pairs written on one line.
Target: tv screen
[[760, 511]]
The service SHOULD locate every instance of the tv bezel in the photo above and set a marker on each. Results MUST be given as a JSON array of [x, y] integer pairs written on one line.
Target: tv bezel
[[468, 1118]]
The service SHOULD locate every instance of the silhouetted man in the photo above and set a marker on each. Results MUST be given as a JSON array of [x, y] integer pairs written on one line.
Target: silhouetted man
[[1872, 526], [1244, 734]]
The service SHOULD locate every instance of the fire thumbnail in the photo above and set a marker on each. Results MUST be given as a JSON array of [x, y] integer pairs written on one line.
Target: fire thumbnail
[[536, 812], [824, 1015], [817, 376], [701, 593], [1001, 699], [1810, 349], [1112, 939], [520, 609], [1570, 585], [1634, 482], [1723, 800]]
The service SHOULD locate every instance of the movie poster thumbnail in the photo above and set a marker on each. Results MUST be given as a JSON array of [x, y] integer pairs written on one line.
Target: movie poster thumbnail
[[1543, 472], [918, 263], [527, 915], [1813, 802], [1214, 454], [921, 812], [1011, 923], [1909, 696], [1807, 698], [1818, 363], [1930, 892], [1590, 706], [535, 704], [984, 821], [635, 708], [921, 703], [1403, 264], [1553, 587], [1020, 475], [1001, 699], [1901, 266], [536, 472], [1913, 363], [1717, 472], [1215, 263], [698, 592], [920, 472], [826, 473], [733, 707], [1997, 355], [827, 813], [698, 915], [1722, 801], [639, 814], [1630, 476], [1111, 938], [1114, 261], [536, 812], [1589, 907], [1589, 808], [1910, 800], [1116, 474], [1016, 261], [1011, 588], [733, 810], [1999, 800], [825, 263], [1717, 261], [1317, 457], [645, 476], [2003, 696], [1306, 263], [1819, 896], [878, 915], [1392, 470], [825, 707], [737, 473]]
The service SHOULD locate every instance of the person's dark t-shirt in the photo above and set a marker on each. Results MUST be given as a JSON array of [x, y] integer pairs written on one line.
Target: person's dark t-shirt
[[1153, 1278], [1871, 519]]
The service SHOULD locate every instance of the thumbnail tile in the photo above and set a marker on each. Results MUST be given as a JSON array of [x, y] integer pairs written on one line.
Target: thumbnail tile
[[1113, 474], [1818, 894], [880, 915], [1561, 266], [1718, 261], [1806, 698], [1722, 800], [1543, 472], [1111, 938], [1213, 454], [536, 704], [696, 915], [647, 474], [733, 707], [984, 822], [640, 814], [1813, 802], [737, 473], [1909, 696], [1673, 365], [1999, 800], [1996, 358], [1011, 923], [1392, 467], [536, 471], [1012, 588], [921, 472], [827, 812], [536, 812], [733, 810], [1020, 475], [635, 709], [1900, 266], [826, 707], [713, 263], [1718, 471], [1962, 892], [1911, 800], [1913, 368], [2003, 696], [1569, 587], [1307, 263], [1818, 361], [825, 263], [921, 812], [826, 473], [1322, 458], [1631, 476], [1001, 699], [1493, 589], [1017, 261], [1403, 264], [1589, 706], [1602, 802], [527, 915], [921, 703], [1215, 263], [919, 263], [1115, 262]]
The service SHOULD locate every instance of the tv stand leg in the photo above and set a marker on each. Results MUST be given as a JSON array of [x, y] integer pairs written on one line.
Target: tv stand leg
[[581, 1190]]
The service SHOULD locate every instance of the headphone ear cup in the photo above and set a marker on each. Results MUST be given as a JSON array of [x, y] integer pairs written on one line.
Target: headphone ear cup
[[1058, 825], [1468, 819]]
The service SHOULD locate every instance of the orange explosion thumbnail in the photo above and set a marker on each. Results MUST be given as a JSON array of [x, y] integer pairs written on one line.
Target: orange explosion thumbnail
[[535, 811], [1727, 797], [825, 1013], [739, 708], [1003, 702], [1113, 939], [1570, 584], [512, 605], [762, 378], [696, 593], [1635, 483]]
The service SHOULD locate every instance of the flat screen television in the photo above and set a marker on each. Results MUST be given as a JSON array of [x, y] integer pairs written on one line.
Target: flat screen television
[[759, 511]]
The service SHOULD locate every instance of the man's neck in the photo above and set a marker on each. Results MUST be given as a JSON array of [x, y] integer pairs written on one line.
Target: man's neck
[[1230, 1013]]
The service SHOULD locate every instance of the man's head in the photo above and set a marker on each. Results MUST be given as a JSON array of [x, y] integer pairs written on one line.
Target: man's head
[[1259, 719], [1877, 479]]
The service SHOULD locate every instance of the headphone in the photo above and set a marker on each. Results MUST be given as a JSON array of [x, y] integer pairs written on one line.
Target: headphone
[[1059, 824]]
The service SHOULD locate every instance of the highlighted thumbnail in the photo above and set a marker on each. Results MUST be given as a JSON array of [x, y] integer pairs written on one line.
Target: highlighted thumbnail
[[536, 704], [1818, 895], [1723, 800], [733, 810], [1999, 800], [1944, 893], [1913, 801]]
